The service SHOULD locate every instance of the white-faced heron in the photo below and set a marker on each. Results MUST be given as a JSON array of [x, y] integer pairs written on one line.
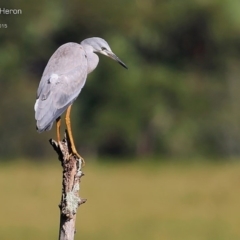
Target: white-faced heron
[[62, 81]]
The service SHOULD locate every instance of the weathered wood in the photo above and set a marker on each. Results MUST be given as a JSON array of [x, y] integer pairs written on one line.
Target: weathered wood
[[70, 200]]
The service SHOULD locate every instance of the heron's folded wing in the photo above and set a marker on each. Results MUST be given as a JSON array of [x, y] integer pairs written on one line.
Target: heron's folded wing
[[62, 81]]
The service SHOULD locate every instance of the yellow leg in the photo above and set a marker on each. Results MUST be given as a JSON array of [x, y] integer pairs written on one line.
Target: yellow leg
[[58, 121], [69, 130]]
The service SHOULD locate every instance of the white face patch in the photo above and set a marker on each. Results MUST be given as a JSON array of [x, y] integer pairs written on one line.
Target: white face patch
[[53, 79], [103, 52]]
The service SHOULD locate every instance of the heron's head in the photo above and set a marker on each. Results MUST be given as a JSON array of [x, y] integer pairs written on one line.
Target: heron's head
[[99, 45]]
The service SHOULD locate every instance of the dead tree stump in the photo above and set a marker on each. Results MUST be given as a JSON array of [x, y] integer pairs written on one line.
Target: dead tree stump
[[70, 200]]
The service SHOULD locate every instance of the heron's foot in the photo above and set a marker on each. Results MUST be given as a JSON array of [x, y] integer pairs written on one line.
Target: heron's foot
[[73, 152], [77, 155]]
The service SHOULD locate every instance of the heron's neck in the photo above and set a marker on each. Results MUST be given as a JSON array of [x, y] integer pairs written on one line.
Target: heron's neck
[[91, 57]]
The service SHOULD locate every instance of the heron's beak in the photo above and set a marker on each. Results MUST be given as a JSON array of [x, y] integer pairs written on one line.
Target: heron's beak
[[114, 57]]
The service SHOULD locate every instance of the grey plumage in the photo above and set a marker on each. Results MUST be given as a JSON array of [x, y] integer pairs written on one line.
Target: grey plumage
[[65, 76]]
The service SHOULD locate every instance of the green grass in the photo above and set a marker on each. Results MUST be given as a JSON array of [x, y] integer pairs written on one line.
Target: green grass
[[125, 201]]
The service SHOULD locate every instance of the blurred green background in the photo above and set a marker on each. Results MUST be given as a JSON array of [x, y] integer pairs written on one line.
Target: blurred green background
[[159, 139]]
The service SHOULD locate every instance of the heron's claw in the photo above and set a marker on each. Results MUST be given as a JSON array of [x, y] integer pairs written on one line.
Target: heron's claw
[[77, 155], [80, 158]]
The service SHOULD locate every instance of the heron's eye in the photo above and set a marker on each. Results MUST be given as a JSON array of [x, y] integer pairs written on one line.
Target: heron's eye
[[103, 49]]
